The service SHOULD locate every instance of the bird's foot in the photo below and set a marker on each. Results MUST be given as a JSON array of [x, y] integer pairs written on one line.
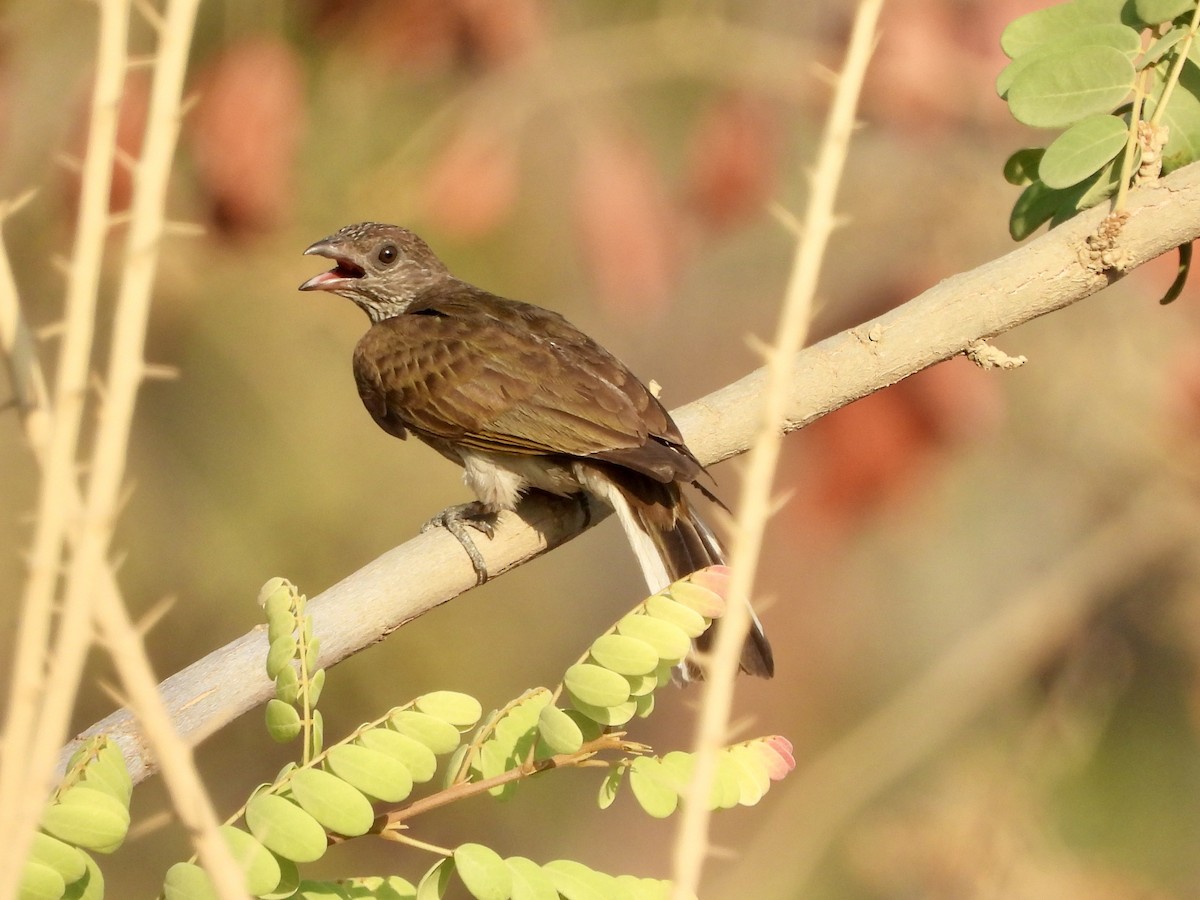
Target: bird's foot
[[456, 520]]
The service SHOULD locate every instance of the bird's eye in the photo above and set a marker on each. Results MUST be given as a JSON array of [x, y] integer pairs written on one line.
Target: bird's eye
[[387, 254]]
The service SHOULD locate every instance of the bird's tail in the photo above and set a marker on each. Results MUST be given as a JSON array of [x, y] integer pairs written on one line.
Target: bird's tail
[[671, 541]]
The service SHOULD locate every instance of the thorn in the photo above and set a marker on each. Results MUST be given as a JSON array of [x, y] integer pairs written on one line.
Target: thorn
[[758, 346], [184, 229], [151, 15], [786, 218], [188, 103], [125, 159], [655, 388], [779, 501], [825, 74], [122, 501], [159, 372], [111, 689], [51, 331], [719, 851], [151, 824], [97, 385], [14, 206], [154, 615], [118, 219], [70, 162], [142, 61]]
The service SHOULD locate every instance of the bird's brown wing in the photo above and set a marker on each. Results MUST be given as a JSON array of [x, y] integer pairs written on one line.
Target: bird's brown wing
[[507, 377]]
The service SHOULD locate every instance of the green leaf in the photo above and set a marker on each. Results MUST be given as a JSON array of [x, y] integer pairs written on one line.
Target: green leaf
[[337, 805], [436, 734], [646, 888], [282, 720], [1156, 11], [323, 890], [610, 786], [559, 730], [87, 818], [416, 757], [316, 684], [483, 872], [187, 881], [1090, 191], [699, 598], [590, 728], [374, 887], [90, 886], [682, 617], [641, 685], [434, 882], [645, 705], [1160, 48], [69, 862], [726, 789], [1068, 85], [374, 773], [107, 772], [289, 880], [668, 641], [1125, 40], [1055, 24], [40, 882], [1021, 168], [1181, 275], [259, 866], [318, 731], [276, 597], [753, 781], [654, 790], [494, 758], [1035, 207], [284, 828], [575, 881], [460, 710], [312, 650], [1182, 117], [624, 654], [595, 686], [1082, 150], [281, 653], [610, 716], [287, 685], [529, 881]]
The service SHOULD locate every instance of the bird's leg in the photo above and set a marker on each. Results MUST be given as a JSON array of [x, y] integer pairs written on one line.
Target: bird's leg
[[456, 520]]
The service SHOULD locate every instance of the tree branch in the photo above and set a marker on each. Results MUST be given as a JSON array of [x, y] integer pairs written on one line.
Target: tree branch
[[1045, 275]]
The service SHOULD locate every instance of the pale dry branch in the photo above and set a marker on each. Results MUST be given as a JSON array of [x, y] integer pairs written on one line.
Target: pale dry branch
[[90, 589], [20, 798], [409, 580], [754, 505]]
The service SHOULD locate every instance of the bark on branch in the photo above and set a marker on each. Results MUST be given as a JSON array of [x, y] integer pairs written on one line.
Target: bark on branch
[[1044, 275]]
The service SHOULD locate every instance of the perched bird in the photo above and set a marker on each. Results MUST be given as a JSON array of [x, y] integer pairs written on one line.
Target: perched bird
[[520, 398]]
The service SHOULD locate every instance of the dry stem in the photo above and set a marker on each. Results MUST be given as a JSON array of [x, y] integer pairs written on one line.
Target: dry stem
[[754, 508]]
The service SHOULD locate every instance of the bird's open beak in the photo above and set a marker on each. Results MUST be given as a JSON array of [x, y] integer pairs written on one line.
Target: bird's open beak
[[340, 275]]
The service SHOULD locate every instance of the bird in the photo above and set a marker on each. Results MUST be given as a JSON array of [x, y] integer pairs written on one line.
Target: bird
[[521, 399]]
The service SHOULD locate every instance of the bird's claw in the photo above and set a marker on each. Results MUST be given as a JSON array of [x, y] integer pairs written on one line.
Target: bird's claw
[[456, 520]]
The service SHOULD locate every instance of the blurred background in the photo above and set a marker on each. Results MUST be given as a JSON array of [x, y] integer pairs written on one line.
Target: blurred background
[[617, 162]]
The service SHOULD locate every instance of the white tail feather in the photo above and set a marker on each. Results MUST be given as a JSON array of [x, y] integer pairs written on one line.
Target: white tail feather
[[654, 570]]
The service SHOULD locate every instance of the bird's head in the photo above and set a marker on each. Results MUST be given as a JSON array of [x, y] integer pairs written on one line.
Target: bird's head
[[382, 268]]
